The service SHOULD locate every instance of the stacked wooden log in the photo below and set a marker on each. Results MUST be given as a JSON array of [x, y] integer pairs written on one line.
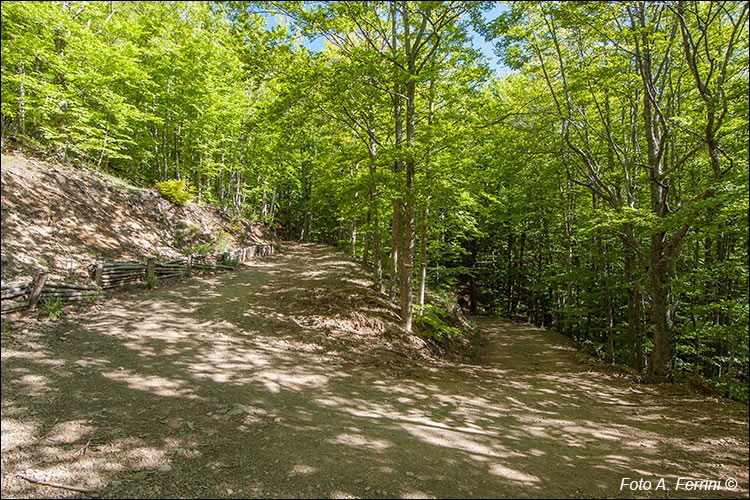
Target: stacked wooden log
[[116, 274], [20, 295], [15, 295], [171, 268], [67, 291]]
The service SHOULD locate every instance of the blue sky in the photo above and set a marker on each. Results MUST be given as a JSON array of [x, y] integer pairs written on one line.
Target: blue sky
[[478, 40]]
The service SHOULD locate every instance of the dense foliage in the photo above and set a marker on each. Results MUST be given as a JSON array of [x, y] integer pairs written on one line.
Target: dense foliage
[[600, 189]]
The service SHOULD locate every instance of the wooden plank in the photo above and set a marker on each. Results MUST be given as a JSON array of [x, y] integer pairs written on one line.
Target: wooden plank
[[37, 290], [98, 273]]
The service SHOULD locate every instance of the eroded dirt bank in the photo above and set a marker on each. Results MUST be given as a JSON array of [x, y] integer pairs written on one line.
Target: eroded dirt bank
[[59, 219], [288, 379]]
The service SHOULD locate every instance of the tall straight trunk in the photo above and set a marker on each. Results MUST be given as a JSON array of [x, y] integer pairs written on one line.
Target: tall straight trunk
[[510, 282], [165, 163], [423, 258], [397, 226], [367, 239], [22, 100], [198, 176], [353, 238], [177, 140], [519, 283], [409, 239], [425, 210], [635, 330], [472, 279], [374, 207], [664, 352], [306, 179]]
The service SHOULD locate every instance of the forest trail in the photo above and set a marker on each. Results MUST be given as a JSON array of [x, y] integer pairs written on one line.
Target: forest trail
[[285, 379]]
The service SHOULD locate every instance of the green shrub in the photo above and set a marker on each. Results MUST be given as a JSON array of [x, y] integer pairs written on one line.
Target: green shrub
[[223, 242], [231, 262], [151, 281], [204, 248], [93, 298], [51, 308], [435, 327], [176, 191], [730, 388]]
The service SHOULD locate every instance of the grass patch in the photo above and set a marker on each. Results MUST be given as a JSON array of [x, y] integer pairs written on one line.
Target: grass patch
[[51, 308]]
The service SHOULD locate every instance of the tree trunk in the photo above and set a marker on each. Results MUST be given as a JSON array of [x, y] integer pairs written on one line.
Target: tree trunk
[[635, 330], [397, 227], [423, 259]]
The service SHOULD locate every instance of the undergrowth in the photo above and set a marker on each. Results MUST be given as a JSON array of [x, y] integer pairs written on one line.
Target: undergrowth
[[177, 191], [435, 328], [51, 308]]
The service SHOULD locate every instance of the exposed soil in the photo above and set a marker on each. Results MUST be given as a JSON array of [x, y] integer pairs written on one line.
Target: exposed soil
[[59, 219], [290, 378]]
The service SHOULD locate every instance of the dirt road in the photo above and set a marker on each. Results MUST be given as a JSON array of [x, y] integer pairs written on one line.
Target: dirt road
[[255, 384]]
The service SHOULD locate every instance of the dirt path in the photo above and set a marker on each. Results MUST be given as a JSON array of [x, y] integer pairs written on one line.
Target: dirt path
[[254, 384]]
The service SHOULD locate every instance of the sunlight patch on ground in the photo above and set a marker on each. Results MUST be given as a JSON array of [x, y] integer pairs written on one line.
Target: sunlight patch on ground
[[276, 381], [415, 494], [16, 433], [361, 441], [304, 469], [34, 385], [69, 432], [512, 474], [153, 384], [446, 438]]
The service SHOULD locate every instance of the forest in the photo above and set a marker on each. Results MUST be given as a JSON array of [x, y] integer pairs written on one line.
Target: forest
[[599, 187]]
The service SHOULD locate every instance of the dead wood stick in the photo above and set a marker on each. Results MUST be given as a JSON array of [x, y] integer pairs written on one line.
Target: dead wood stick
[[55, 485]]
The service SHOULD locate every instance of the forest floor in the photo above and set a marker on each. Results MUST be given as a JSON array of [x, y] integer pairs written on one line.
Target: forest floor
[[289, 378]]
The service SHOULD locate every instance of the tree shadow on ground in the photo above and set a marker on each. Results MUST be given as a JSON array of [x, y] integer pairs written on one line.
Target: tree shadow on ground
[[227, 385]]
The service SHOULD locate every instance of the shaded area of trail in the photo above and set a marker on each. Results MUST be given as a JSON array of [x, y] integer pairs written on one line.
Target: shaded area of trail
[[256, 384]]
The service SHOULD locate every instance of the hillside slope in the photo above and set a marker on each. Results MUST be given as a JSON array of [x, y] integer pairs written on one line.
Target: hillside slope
[[60, 219]]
